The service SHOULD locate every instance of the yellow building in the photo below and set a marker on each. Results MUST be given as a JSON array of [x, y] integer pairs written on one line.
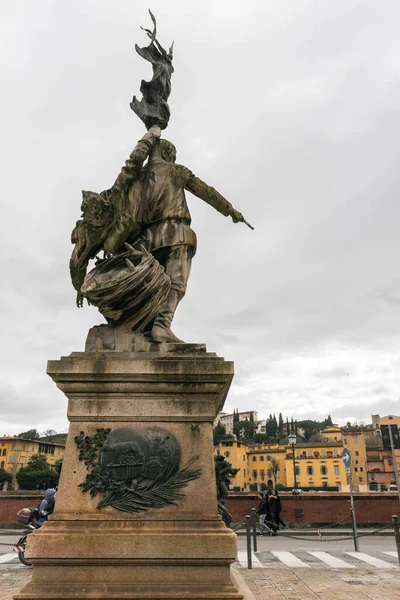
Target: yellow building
[[15, 452], [235, 453], [356, 438], [317, 465], [266, 465]]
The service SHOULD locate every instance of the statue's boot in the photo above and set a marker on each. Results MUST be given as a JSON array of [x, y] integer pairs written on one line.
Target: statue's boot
[[161, 331], [160, 334]]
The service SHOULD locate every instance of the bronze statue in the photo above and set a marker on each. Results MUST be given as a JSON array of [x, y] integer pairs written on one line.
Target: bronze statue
[[142, 223]]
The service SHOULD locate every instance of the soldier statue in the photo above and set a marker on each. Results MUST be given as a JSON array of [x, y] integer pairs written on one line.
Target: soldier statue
[[142, 223]]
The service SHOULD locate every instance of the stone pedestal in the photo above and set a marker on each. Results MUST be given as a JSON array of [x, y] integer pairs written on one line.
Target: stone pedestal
[[177, 551]]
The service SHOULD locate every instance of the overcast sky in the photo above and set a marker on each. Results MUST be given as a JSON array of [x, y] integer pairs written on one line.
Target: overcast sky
[[291, 109]]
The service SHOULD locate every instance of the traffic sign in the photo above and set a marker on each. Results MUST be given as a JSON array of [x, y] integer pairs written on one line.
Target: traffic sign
[[346, 458]]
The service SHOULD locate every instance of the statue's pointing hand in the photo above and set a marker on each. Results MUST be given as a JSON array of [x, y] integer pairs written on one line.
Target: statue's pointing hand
[[237, 216]]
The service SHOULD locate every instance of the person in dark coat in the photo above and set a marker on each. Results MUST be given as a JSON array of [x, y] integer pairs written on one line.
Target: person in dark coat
[[262, 510], [278, 519], [271, 521]]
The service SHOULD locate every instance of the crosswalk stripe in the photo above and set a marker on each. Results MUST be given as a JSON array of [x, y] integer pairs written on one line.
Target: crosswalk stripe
[[289, 559], [6, 557], [332, 561], [371, 560], [242, 558], [390, 553]]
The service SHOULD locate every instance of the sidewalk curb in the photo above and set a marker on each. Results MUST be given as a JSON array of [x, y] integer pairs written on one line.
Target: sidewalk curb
[[324, 534]]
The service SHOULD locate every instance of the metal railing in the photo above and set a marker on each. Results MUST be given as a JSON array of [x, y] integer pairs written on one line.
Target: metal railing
[[250, 524]]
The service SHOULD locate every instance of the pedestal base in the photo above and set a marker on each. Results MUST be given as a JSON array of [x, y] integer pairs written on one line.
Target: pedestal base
[[183, 550]]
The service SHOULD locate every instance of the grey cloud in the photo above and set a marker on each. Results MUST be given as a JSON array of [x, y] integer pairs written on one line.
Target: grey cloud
[[291, 111]]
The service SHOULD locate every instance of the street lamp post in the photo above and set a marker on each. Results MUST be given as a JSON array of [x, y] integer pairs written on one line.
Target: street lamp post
[[292, 441]]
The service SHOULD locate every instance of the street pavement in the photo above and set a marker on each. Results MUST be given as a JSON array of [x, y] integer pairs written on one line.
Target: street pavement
[[283, 568]]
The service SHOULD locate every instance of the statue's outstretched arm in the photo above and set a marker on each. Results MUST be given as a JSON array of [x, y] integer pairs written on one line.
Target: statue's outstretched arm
[[210, 195], [131, 170]]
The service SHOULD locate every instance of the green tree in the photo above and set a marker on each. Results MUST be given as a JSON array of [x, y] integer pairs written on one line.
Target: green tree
[[31, 434], [5, 477], [32, 480], [37, 474], [37, 462], [280, 423], [244, 430], [260, 438], [219, 432]]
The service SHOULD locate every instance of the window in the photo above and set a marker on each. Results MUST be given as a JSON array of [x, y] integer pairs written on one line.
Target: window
[[360, 479], [262, 457], [12, 446], [390, 461], [356, 469], [372, 476], [227, 454], [310, 453], [255, 474], [297, 470], [268, 457], [254, 458], [310, 484], [345, 442], [33, 448], [361, 468], [324, 470], [244, 472], [2, 464], [244, 457], [356, 440], [356, 462], [262, 473], [9, 470], [4, 452], [357, 453], [323, 453], [335, 453], [298, 454], [336, 469], [310, 470]]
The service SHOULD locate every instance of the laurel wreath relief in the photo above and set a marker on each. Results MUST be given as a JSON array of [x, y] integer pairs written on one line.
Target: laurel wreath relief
[[130, 483]]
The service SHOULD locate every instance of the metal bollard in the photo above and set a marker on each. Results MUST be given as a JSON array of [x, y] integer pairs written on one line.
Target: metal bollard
[[354, 526], [254, 519], [248, 538], [395, 522]]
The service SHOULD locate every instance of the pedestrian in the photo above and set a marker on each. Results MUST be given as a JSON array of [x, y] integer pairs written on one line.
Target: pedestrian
[[278, 519], [262, 512], [271, 520]]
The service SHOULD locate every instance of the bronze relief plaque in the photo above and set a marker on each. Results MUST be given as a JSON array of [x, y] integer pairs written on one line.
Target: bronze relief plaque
[[132, 469]]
